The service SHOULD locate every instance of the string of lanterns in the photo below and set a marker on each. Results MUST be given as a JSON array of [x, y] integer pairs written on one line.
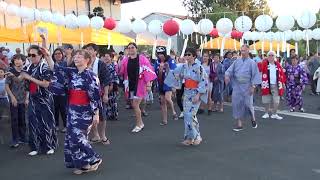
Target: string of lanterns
[[224, 28]]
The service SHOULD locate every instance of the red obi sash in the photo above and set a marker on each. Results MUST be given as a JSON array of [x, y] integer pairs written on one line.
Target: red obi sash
[[78, 97], [191, 84], [33, 88]]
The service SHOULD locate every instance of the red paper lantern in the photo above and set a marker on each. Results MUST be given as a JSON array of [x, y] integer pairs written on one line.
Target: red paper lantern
[[240, 34], [171, 27], [110, 23], [214, 33]]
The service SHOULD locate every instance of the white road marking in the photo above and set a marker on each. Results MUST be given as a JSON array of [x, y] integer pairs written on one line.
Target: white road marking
[[286, 112]]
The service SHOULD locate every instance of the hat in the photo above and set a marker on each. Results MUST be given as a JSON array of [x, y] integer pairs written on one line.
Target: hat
[[161, 50]]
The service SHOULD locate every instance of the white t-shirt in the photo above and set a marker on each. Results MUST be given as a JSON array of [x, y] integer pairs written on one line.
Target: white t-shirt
[[273, 74]]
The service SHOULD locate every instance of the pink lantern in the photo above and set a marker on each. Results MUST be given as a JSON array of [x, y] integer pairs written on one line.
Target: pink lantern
[[110, 23], [214, 33], [171, 27]]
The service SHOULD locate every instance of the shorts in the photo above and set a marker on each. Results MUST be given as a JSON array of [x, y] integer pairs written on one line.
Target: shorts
[[163, 88], [273, 97]]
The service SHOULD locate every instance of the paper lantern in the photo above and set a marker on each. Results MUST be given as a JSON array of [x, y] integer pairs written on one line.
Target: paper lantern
[[36, 15], [214, 33], [26, 12], [171, 27], [205, 26], [307, 19], [255, 36], [124, 26], [316, 34], [269, 36], [297, 35], [243, 23], [139, 26], [277, 36], [247, 35], [285, 23], [307, 34], [3, 6], [12, 10], [110, 23], [224, 25], [187, 26], [58, 19], [155, 27], [71, 21], [83, 21], [46, 16], [288, 35], [263, 23], [236, 34], [97, 22]]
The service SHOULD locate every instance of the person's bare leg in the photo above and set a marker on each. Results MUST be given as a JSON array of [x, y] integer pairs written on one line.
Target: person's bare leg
[[275, 108], [143, 105], [209, 102], [169, 101], [239, 123], [137, 111], [221, 106], [95, 133], [164, 110], [102, 131]]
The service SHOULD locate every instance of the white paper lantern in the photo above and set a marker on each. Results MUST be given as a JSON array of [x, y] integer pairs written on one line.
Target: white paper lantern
[[139, 26], [205, 26], [187, 26], [288, 35], [307, 19], [307, 33], [269, 36], [297, 35], [255, 36], [247, 35], [46, 16], [26, 13], [224, 25], [155, 27], [97, 22], [71, 21], [316, 34], [83, 21], [36, 15], [124, 26], [285, 23], [13, 10], [277, 36], [243, 24], [59, 19], [3, 6], [263, 23]]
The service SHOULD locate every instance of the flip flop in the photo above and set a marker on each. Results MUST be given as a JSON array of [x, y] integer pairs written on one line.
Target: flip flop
[[93, 141], [186, 143], [106, 142], [163, 123]]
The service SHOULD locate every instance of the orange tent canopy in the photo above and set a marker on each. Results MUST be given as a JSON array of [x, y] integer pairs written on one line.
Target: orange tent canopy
[[230, 44]]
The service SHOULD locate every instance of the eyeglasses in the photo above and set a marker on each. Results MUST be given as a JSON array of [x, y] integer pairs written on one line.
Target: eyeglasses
[[188, 54], [32, 55], [57, 53]]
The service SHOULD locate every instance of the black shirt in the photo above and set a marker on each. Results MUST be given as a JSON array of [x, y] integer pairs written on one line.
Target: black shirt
[[133, 71]]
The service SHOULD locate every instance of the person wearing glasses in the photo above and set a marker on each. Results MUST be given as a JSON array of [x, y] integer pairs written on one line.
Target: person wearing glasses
[[58, 89], [272, 86], [195, 90], [297, 80], [84, 103], [138, 75], [245, 76], [42, 132], [162, 66]]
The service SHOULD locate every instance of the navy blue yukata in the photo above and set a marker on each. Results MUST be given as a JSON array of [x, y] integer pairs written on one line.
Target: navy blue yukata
[[42, 133], [84, 100]]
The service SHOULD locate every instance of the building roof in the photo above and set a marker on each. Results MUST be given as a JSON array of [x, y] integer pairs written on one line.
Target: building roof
[[167, 15]]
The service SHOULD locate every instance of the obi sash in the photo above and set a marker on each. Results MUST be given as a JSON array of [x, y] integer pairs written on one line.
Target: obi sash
[[33, 88], [191, 84], [78, 97], [243, 79]]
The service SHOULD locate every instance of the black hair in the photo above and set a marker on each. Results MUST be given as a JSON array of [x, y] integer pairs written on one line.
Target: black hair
[[2, 69], [133, 44], [17, 56], [121, 53], [109, 52], [36, 47], [93, 45], [58, 49], [67, 46], [292, 50], [227, 53], [192, 51]]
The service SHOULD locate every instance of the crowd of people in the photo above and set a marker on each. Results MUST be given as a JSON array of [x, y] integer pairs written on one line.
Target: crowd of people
[[80, 88]]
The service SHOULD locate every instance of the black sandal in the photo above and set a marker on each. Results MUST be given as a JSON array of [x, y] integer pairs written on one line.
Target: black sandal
[[106, 142]]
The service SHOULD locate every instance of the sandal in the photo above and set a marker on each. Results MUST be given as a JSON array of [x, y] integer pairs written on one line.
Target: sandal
[[163, 123], [93, 141], [186, 143], [197, 142], [137, 129], [221, 110], [175, 117], [106, 142]]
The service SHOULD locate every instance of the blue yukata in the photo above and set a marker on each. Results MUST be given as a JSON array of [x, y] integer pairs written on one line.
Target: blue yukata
[[228, 88], [58, 89], [195, 73], [217, 78], [162, 73], [84, 99], [243, 73], [112, 105], [42, 133]]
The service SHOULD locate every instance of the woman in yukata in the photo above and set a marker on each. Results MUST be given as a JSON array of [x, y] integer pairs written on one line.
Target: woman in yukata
[[162, 66], [217, 78], [296, 81], [42, 132], [83, 113], [206, 62], [195, 91]]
